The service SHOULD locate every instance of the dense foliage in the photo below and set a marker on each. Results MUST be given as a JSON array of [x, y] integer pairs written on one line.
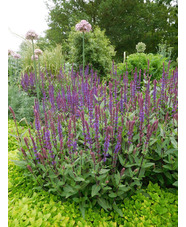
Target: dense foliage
[[98, 143], [51, 59], [28, 206], [152, 64], [153, 21], [98, 50], [22, 104]]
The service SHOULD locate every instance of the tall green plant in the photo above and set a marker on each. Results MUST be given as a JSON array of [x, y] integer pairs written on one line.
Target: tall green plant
[[98, 50], [31, 35], [83, 27]]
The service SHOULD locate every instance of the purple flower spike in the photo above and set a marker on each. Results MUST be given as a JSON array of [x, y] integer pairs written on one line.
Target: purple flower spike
[[130, 125], [88, 137], [106, 145]]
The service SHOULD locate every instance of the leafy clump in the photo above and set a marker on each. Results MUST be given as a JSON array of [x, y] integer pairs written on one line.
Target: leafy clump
[[51, 60], [21, 103], [147, 63]]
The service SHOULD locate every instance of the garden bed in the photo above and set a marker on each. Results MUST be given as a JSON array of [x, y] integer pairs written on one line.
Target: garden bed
[[28, 206]]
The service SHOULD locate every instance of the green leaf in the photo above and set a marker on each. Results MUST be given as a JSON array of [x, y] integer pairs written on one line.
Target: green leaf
[[152, 142], [103, 203], [119, 211], [82, 209], [117, 178], [175, 183], [174, 142], [147, 165], [123, 188], [107, 188], [112, 195], [142, 171], [102, 104], [136, 137], [79, 179], [95, 190], [39, 222], [20, 163], [96, 97], [102, 171], [170, 151], [131, 148], [121, 159]]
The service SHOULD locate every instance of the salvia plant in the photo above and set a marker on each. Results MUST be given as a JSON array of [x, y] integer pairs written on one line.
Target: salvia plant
[[99, 142]]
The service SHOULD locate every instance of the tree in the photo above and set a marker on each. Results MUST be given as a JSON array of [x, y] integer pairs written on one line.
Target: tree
[[125, 22]]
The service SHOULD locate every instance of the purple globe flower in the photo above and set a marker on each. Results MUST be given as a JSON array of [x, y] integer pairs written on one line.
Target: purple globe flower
[[16, 55], [83, 26], [31, 35], [38, 52], [35, 56]]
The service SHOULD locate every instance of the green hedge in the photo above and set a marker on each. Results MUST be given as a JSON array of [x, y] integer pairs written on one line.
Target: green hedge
[[29, 207]]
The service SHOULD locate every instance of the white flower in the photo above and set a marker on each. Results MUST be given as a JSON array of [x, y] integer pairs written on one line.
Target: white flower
[[140, 47], [38, 52], [83, 26], [31, 35]]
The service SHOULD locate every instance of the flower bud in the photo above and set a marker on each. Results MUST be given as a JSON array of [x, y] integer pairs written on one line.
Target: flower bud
[[107, 182], [29, 168], [93, 156], [122, 172], [134, 152], [23, 151], [136, 170]]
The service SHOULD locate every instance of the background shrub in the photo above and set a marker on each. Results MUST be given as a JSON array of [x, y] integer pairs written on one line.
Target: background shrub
[[14, 69], [21, 103], [51, 60], [98, 50], [140, 61]]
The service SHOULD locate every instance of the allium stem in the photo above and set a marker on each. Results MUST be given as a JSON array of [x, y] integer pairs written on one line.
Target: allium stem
[[83, 57], [36, 81]]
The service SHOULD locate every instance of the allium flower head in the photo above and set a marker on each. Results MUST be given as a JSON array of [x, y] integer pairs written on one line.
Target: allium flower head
[[36, 57], [83, 26], [16, 55], [31, 35], [38, 52], [140, 47]]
